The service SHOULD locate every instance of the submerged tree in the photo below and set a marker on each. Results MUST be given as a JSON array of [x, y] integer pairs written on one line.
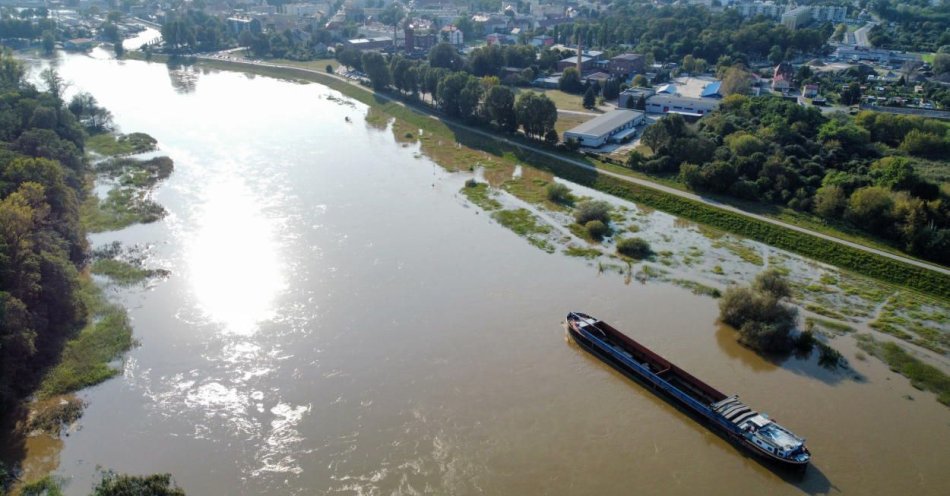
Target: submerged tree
[[764, 321]]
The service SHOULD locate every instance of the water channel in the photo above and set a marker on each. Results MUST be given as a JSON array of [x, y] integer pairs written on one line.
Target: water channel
[[340, 320]]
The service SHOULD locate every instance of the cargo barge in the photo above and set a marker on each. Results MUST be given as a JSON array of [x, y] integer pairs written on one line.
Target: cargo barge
[[726, 414]]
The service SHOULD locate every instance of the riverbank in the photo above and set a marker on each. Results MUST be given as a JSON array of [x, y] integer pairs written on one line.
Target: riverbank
[[467, 145], [32, 432]]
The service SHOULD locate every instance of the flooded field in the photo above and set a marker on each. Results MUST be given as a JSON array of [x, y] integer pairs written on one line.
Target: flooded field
[[340, 316]]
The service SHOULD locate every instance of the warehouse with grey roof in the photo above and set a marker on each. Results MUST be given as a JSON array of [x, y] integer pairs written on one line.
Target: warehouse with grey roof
[[616, 125]]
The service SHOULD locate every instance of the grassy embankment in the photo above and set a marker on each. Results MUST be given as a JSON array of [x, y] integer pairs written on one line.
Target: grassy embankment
[[457, 148], [85, 359], [921, 375]]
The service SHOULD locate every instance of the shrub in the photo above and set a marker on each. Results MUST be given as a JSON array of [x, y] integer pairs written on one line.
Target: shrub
[[634, 248], [773, 284], [558, 193], [592, 210], [596, 229], [763, 321], [153, 485], [329, 69]]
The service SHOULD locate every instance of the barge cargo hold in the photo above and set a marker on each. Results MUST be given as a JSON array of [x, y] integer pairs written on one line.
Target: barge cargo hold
[[726, 414]]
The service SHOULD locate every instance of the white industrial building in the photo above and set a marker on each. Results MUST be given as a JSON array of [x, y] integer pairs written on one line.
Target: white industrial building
[[615, 125], [662, 103]]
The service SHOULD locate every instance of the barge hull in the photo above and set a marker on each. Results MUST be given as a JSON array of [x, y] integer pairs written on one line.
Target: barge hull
[[684, 389]]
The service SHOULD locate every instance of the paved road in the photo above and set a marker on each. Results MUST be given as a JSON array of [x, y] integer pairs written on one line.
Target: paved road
[[861, 35], [642, 182]]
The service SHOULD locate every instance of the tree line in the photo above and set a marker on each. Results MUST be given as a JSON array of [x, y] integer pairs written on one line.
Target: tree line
[[443, 82], [671, 32], [860, 171], [42, 244]]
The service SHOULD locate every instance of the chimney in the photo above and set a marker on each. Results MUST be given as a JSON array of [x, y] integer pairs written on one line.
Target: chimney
[[580, 51]]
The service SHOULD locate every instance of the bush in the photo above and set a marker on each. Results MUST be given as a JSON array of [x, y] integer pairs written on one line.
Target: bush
[[772, 283], [592, 210], [763, 321], [151, 485], [558, 193], [596, 229], [329, 69], [634, 248]]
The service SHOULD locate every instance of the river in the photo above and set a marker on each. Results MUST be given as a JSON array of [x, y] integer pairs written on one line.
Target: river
[[340, 320]]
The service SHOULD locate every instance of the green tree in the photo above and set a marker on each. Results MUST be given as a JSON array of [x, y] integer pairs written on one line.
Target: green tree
[[49, 42], [350, 57], [486, 61], [871, 207], [776, 55], [450, 91], [570, 81], [941, 64], [469, 98], [391, 17], [445, 56], [764, 322], [500, 107], [927, 145], [851, 95], [736, 80], [830, 201], [590, 98], [374, 65], [536, 113], [11, 71], [893, 173]]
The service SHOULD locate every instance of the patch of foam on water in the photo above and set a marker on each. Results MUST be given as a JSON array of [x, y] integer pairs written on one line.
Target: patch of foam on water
[[279, 450]]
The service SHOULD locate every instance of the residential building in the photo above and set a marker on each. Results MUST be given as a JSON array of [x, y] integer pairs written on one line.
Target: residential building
[[239, 24], [301, 9], [541, 41], [810, 90], [376, 43], [829, 13], [797, 17], [766, 9], [615, 125], [782, 77], [419, 38], [452, 35]]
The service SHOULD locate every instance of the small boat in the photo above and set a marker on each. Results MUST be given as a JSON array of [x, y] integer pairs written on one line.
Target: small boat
[[725, 414]]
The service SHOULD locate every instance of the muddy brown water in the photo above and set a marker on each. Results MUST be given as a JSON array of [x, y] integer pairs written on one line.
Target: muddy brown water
[[339, 320]]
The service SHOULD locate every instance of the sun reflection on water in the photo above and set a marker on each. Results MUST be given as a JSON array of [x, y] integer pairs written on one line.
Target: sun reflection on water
[[233, 258]]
